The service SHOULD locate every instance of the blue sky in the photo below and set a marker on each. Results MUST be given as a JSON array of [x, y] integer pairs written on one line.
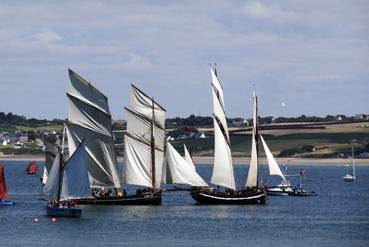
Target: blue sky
[[312, 55]]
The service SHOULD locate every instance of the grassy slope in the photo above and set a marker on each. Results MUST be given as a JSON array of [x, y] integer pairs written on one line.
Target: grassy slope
[[328, 142]]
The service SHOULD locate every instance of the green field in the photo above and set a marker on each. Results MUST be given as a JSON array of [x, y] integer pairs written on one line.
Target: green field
[[325, 144]]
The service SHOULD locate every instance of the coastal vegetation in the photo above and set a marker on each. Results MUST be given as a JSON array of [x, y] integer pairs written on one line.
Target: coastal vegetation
[[299, 137]]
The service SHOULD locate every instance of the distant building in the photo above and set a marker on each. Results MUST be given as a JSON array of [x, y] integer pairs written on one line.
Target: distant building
[[23, 138], [239, 122]]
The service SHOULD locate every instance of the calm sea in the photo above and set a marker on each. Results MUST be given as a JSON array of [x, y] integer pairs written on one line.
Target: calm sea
[[338, 216]]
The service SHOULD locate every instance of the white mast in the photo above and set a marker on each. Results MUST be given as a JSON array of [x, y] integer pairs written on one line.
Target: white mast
[[252, 177], [144, 140], [223, 168], [353, 160], [90, 119]]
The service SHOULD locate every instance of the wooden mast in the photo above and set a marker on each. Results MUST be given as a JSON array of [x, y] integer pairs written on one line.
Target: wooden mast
[[60, 176], [257, 140], [153, 146]]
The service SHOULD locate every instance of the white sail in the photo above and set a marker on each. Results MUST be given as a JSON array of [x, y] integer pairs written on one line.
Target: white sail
[[50, 153], [223, 168], [188, 158], [138, 154], [178, 170], [51, 187], [252, 177], [90, 119], [75, 182], [272, 163]]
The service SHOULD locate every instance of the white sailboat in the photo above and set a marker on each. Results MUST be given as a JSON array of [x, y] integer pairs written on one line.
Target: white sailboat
[[67, 183], [350, 177], [223, 167], [179, 170]]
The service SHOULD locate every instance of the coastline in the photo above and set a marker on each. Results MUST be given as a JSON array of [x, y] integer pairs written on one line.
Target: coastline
[[236, 160]]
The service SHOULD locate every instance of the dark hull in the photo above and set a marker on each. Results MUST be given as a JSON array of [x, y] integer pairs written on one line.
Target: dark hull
[[302, 193], [140, 199], [242, 198], [63, 212], [6, 203]]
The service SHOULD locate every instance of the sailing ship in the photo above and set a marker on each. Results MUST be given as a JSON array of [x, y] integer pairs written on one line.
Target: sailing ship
[[350, 177], [89, 118], [179, 170], [223, 167], [67, 183], [144, 147], [32, 168], [4, 197]]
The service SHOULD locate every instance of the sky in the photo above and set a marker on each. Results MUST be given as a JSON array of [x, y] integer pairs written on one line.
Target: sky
[[304, 57]]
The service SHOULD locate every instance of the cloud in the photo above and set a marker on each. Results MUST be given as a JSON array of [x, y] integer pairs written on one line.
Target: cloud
[[46, 37], [259, 10]]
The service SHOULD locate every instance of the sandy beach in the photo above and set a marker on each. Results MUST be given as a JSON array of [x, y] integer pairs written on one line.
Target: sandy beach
[[236, 160]]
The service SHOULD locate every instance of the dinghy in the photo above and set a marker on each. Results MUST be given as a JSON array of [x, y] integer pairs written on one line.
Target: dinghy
[[32, 168]]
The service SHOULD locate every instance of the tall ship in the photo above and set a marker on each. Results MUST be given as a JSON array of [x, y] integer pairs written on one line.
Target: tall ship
[[144, 146], [223, 176]]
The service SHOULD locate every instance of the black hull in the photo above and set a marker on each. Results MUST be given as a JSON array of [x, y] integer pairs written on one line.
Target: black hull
[[241, 198], [140, 199], [304, 193]]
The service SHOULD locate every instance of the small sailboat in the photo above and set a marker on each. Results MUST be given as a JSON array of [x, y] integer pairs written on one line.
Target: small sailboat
[[282, 189], [350, 177], [223, 167], [68, 182], [32, 168], [179, 170], [4, 197]]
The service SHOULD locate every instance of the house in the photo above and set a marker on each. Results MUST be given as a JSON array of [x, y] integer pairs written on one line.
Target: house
[[23, 138]]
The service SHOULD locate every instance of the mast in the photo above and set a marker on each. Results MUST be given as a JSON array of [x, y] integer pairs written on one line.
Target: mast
[[60, 175], [153, 145], [353, 160], [257, 139]]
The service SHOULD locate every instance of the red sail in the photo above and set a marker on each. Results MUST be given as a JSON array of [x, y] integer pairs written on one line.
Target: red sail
[[32, 168], [3, 190]]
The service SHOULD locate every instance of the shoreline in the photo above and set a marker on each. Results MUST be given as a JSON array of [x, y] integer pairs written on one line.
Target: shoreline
[[236, 160]]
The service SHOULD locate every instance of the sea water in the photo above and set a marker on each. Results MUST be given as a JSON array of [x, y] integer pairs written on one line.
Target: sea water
[[338, 216]]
